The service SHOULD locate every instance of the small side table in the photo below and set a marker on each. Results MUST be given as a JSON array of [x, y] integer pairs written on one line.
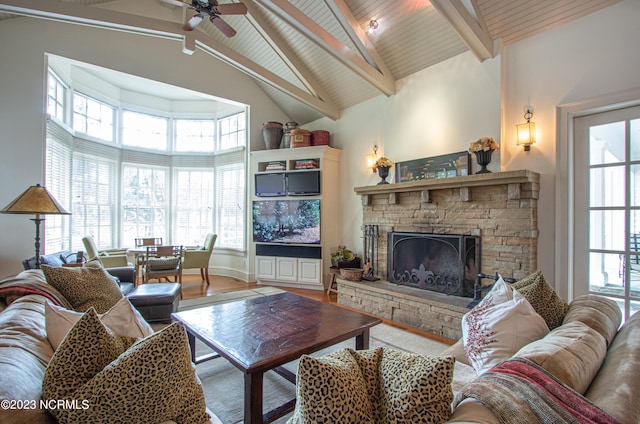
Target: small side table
[[333, 286]]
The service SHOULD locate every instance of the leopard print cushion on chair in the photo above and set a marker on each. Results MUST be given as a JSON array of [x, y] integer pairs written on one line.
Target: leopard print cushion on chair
[[331, 389], [84, 287], [543, 298], [151, 382], [417, 388]]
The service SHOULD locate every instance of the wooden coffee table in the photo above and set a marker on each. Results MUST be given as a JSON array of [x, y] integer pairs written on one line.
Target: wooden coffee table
[[264, 333]]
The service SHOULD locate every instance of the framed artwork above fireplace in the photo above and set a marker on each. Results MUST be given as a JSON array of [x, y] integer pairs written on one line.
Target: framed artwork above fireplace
[[443, 166]]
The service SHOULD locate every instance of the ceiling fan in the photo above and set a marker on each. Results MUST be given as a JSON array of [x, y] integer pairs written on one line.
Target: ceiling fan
[[213, 10]]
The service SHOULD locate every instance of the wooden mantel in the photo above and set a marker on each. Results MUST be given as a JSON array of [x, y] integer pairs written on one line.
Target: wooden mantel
[[513, 179]]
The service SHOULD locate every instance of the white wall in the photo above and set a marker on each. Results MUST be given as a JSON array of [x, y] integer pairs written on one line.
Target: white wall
[[22, 105], [436, 111]]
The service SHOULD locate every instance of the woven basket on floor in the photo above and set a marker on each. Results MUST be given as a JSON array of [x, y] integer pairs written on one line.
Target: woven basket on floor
[[351, 274]]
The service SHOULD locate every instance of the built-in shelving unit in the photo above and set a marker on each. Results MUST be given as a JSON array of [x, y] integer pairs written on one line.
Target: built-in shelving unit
[[299, 264]]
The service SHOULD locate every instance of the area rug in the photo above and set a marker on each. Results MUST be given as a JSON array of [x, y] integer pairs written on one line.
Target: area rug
[[224, 384]]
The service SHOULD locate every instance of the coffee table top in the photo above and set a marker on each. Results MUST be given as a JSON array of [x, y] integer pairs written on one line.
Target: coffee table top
[[268, 331]]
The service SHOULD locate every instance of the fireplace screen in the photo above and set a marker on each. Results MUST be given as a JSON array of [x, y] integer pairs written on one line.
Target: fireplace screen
[[437, 262]]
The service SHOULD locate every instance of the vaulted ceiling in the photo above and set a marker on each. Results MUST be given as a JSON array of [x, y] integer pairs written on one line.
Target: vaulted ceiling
[[315, 58]]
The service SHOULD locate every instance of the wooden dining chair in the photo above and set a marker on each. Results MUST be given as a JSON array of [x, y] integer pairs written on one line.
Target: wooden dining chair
[[163, 262]]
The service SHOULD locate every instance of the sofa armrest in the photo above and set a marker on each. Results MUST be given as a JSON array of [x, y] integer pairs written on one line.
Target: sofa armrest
[[126, 274]]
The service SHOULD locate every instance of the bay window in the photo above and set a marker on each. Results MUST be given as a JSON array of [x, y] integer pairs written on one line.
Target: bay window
[[177, 178]]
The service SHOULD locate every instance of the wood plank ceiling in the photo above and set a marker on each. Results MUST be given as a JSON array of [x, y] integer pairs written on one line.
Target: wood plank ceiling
[[315, 58]]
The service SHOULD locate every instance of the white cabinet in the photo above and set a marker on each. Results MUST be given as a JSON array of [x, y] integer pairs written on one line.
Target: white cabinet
[[293, 272], [287, 269], [286, 262]]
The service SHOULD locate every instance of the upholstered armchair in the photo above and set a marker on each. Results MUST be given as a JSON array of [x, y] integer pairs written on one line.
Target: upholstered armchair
[[108, 260], [199, 257]]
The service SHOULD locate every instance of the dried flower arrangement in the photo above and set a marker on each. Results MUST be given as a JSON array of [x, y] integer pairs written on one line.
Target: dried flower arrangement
[[382, 162], [483, 144]]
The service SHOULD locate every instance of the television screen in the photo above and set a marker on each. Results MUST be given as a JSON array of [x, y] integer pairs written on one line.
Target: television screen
[[303, 183], [270, 185], [286, 221]]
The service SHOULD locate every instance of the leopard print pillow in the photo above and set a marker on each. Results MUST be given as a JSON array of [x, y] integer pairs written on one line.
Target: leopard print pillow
[[84, 287], [543, 298], [153, 381], [331, 389], [417, 387]]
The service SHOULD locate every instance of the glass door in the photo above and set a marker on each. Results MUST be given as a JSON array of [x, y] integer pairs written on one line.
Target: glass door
[[607, 207]]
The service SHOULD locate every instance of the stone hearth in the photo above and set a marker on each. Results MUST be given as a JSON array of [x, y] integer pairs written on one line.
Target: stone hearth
[[500, 208]]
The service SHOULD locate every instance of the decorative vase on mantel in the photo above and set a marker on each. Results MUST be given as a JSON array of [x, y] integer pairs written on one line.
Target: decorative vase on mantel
[[272, 134], [483, 157], [383, 172]]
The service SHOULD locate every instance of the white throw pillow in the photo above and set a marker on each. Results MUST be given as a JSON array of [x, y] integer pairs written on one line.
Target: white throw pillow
[[496, 328], [123, 319]]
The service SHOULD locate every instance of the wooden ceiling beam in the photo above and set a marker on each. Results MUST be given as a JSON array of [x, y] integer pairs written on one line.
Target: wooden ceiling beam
[[103, 18], [357, 35], [471, 27], [285, 53], [334, 47]]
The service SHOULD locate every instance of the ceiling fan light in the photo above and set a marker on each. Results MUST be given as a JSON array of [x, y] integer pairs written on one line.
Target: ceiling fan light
[[195, 21]]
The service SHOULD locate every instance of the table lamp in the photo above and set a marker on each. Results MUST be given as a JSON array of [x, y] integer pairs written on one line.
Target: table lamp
[[35, 200]]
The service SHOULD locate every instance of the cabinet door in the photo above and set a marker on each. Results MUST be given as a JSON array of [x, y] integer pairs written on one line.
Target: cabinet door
[[265, 267], [310, 271], [287, 269]]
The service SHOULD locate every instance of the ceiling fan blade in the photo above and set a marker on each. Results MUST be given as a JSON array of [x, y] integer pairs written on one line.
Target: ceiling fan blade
[[231, 9], [193, 22], [223, 26], [176, 3]]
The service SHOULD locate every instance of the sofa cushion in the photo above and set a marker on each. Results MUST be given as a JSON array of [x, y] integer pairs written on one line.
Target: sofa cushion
[[123, 319], [85, 287], [151, 382], [616, 387], [331, 389], [24, 353], [416, 388], [498, 326], [598, 312], [543, 298], [572, 352]]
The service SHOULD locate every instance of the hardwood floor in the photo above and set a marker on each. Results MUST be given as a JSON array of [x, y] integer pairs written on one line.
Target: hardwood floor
[[193, 286]]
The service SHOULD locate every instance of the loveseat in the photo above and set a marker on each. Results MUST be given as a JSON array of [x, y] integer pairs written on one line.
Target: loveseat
[[548, 361], [26, 351]]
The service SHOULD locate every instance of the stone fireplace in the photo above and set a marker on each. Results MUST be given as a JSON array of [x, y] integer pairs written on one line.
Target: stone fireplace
[[497, 210], [444, 263]]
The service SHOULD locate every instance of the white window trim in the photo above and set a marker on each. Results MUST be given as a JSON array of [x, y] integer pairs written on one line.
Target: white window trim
[[565, 184]]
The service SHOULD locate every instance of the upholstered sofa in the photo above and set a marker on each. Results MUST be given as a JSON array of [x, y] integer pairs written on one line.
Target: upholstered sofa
[[588, 353], [26, 352], [548, 362]]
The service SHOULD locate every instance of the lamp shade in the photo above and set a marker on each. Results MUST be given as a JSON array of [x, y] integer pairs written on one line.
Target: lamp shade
[[526, 134], [35, 200]]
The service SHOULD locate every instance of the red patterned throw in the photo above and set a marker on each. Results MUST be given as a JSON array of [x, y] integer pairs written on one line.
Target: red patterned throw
[[518, 390]]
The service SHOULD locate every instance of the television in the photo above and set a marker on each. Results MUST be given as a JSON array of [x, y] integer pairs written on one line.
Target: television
[[306, 183], [270, 185], [286, 221]]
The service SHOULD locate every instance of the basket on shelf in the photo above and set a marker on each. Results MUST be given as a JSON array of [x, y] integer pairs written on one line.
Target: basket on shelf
[[351, 274]]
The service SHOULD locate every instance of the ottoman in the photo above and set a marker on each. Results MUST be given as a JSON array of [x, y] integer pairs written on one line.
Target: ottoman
[[156, 301]]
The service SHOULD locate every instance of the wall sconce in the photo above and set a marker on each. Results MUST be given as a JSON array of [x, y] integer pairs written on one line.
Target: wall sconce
[[526, 133], [372, 158]]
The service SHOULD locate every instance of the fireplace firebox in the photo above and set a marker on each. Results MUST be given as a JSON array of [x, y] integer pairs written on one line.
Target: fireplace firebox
[[442, 263]]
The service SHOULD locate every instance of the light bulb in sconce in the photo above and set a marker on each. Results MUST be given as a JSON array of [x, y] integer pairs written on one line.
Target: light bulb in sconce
[[372, 158], [526, 132], [373, 25]]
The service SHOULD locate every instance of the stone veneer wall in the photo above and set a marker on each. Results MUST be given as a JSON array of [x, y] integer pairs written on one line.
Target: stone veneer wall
[[500, 207]]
